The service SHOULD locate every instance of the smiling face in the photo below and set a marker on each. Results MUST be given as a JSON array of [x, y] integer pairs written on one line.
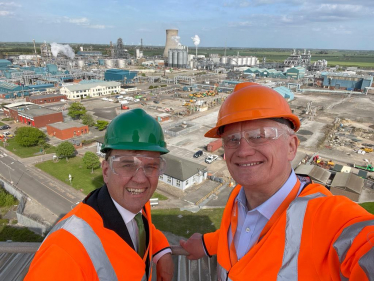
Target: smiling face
[[261, 168], [132, 193]]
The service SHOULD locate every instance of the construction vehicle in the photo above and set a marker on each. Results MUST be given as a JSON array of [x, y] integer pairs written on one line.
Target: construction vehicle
[[367, 149], [368, 167]]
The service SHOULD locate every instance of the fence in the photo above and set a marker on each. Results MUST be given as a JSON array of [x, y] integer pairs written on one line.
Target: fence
[[34, 224]]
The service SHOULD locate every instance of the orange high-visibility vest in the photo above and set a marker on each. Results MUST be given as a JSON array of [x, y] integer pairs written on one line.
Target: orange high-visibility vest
[[318, 237], [101, 255]]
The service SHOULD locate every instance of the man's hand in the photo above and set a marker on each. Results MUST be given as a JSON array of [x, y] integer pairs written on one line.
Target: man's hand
[[194, 245], [165, 268]]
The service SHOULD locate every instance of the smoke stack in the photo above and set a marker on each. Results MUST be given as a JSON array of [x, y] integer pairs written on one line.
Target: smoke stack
[[171, 43]]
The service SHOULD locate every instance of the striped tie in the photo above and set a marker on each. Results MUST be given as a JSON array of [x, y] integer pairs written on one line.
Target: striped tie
[[141, 237]]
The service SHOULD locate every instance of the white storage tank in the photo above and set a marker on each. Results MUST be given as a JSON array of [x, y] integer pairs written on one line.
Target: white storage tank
[[233, 61], [224, 60], [80, 63], [109, 63], [240, 61], [121, 63], [170, 57], [245, 61], [175, 58]]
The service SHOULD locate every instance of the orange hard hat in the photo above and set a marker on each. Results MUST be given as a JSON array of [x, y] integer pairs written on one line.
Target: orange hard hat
[[251, 101]]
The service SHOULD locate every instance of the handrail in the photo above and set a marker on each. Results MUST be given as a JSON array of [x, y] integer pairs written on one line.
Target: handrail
[[32, 247]]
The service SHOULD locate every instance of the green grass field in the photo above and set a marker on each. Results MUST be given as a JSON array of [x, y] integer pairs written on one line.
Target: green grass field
[[82, 179], [369, 206], [25, 152], [185, 223]]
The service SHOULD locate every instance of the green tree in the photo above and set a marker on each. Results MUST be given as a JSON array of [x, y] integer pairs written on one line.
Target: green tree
[[91, 161], [76, 110], [29, 136], [65, 149], [101, 124], [88, 120]]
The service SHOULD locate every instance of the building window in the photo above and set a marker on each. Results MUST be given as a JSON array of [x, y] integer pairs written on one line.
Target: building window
[[178, 183], [169, 179]]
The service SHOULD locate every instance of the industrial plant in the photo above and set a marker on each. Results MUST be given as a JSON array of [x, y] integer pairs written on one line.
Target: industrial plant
[[182, 87]]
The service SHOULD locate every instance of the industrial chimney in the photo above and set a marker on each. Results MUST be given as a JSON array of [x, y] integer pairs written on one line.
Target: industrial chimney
[[171, 41]]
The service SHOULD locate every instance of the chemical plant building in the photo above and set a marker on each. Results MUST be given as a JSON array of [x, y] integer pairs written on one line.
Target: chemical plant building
[[336, 81], [41, 99], [68, 130], [95, 89]]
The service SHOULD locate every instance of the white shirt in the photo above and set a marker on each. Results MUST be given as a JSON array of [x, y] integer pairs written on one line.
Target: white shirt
[[251, 223], [132, 227]]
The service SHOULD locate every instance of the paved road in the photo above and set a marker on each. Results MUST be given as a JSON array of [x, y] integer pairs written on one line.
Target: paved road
[[55, 196]]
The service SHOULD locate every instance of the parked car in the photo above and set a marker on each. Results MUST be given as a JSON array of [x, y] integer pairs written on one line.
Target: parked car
[[210, 159], [198, 154], [110, 100], [136, 100], [104, 98], [156, 101], [4, 127]]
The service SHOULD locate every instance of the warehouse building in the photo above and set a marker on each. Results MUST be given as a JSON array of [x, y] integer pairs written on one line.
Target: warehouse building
[[41, 99], [347, 184], [96, 89], [336, 81], [4, 64], [120, 75], [68, 130], [295, 72], [32, 114]]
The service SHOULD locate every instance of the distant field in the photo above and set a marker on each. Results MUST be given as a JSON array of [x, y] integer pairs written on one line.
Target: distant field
[[364, 59]]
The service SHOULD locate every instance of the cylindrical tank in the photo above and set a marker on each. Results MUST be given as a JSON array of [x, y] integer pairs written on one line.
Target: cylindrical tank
[[190, 57], [224, 60], [180, 58], [80, 63], [184, 58], [170, 58], [175, 58], [121, 63], [171, 43], [109, 63], [254, 61], [233, 61], [240, 61], [137, 53], [245, 61]]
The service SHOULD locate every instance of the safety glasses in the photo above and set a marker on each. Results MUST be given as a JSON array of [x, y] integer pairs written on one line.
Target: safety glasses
[[253, 137], [128, 165]]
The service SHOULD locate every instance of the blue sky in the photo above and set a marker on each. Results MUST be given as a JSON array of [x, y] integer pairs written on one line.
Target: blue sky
[[319, 24]]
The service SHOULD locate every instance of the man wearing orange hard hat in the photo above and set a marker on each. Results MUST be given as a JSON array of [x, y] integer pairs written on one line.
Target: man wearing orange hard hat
[[276, 225]]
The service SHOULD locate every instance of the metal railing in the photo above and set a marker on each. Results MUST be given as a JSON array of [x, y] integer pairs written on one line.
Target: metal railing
[[203, 269]]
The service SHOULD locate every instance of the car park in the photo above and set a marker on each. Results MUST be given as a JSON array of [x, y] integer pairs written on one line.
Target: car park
[[198, 154], [210, 159]]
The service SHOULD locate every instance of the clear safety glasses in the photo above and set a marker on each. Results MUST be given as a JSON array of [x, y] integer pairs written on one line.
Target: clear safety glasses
[[128, 165], [253, 137]]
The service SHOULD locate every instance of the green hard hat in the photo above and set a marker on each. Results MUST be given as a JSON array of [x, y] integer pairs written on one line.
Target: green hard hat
[[134, 130]]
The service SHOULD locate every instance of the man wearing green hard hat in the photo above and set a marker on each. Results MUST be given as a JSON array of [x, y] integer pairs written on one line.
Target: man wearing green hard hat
[[110, 235]]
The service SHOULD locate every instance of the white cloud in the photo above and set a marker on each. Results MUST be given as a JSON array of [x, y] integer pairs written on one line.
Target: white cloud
[[6, 13], [10, 4], [85, 22], [79, 21]]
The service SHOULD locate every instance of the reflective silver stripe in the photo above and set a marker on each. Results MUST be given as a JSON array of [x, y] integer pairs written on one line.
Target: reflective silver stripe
[[222, 274], [344, 242], [367, 264], [91, 242], [294, 228]]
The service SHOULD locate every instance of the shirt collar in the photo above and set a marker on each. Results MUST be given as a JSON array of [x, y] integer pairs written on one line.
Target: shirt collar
[[268, 208], [125, 214]]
